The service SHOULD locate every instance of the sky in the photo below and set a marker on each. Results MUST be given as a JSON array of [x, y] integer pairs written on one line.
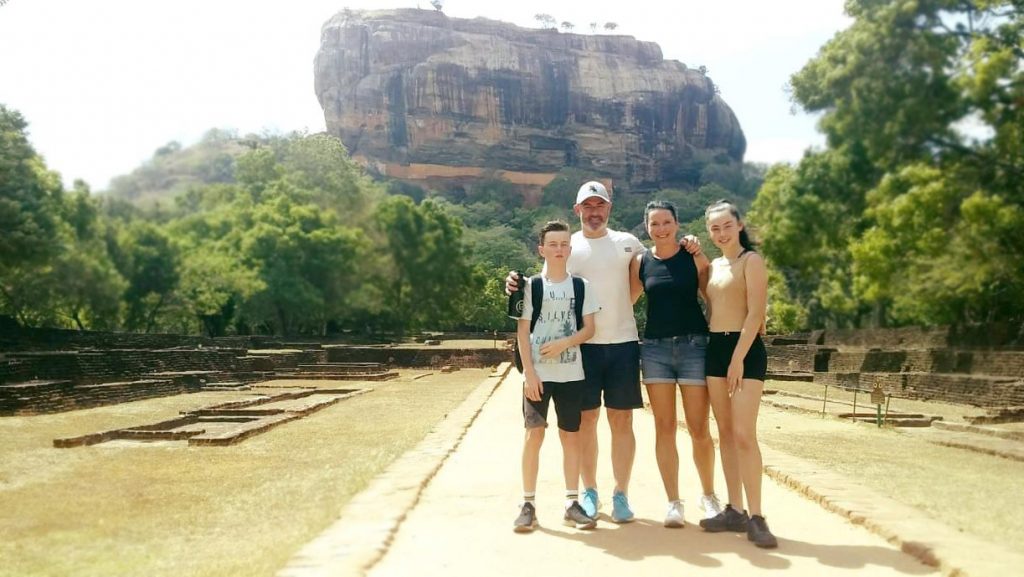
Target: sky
[[104, 83]]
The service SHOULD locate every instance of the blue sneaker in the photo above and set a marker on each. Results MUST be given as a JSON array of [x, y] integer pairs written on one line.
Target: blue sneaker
[[621, 513], [590, 503]]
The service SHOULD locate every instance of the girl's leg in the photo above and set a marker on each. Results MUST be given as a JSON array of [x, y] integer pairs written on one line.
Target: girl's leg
[[696, 406], [745, 405], [663, 405], [718, 392]]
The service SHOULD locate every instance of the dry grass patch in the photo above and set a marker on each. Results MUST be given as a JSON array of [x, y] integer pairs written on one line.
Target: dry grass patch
[[948, 411], [169, 509], [967, 490]]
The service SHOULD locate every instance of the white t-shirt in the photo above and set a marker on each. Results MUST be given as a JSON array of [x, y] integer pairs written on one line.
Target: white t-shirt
[[605, 263], [557, 319]]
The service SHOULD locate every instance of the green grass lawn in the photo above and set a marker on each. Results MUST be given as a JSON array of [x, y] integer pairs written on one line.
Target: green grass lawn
[[169, 509]]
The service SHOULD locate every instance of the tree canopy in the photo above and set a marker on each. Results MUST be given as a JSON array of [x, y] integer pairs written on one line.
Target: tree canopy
[[912, 213]]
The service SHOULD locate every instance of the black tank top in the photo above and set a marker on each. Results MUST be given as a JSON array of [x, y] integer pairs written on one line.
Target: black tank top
[[671, 288]]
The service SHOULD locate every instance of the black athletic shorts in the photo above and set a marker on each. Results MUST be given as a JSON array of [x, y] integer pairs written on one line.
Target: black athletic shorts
[[567, 396], [720, 348], [612, 371]]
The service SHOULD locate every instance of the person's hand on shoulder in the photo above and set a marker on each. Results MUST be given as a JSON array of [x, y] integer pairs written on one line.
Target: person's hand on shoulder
[[690, 244]]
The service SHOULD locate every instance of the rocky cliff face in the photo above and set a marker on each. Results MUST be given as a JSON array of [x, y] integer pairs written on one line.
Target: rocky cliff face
[[419, 93]]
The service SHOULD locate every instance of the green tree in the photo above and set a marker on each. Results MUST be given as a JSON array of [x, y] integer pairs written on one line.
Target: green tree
[[429, 271], [304, 259], [148, 260], [920, 102], [29, 198]]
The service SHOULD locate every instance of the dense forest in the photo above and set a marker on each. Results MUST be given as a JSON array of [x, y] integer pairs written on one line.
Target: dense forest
[[276, 234], [912, 213]]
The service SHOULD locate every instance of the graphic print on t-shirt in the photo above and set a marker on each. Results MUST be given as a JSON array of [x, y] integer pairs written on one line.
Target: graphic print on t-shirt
[[558, 313], [558, 320]]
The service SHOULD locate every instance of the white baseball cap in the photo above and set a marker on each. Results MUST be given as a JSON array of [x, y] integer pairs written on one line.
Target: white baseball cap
[[592, 188]]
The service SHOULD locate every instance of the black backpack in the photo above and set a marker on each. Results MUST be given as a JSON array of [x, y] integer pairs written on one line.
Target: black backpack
[[537, 302]]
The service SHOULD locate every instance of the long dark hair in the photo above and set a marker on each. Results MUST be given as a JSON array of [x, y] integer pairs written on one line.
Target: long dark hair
[[745, 241]]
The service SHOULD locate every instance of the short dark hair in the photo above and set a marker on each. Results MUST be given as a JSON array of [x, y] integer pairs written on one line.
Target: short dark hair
[[553, 226], [659, 205]]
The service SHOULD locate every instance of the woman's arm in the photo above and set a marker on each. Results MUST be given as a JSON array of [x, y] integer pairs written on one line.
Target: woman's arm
[[636, 286], [703, 275]]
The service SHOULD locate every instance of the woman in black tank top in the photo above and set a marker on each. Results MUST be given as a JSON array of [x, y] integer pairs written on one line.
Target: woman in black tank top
[[672, 356]]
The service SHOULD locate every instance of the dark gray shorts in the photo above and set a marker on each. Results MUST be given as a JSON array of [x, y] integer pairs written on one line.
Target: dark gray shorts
[[612, 372], [567, 396]]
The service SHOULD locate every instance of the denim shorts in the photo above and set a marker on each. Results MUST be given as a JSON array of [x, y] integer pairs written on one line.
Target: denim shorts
[[674, 360]]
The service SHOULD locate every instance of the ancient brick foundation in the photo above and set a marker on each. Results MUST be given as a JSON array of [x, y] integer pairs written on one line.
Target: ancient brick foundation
[[52, 370], [424, 357], [980, 366]]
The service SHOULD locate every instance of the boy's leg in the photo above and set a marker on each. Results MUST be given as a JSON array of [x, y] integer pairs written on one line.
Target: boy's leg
[[535, 419], [568, 398], [570, 460], [531, 458]]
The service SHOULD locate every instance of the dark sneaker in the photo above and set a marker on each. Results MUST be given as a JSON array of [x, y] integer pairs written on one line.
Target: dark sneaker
[[527, 520], [575, 516], [728, 520], [758, 532]]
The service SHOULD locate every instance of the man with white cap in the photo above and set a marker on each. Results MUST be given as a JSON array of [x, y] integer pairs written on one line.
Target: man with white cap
[[611, 359]]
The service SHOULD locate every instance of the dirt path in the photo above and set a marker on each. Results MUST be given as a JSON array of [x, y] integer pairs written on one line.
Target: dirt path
[[461, 524]]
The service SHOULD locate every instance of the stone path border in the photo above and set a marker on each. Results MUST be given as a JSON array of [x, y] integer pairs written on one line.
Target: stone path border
[[366, 527], [933, 542]]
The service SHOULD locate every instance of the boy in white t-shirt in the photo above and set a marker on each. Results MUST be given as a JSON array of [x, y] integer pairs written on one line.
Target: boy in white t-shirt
[[554, 370]]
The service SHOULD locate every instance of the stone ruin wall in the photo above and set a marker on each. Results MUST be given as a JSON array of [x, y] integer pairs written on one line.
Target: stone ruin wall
[[980, 366]]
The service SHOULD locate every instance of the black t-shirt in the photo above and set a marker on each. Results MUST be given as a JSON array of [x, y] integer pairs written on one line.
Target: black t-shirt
[[671, 286]]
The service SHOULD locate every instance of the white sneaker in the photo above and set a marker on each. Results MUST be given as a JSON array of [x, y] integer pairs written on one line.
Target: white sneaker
[[674, 517], [710, 505]]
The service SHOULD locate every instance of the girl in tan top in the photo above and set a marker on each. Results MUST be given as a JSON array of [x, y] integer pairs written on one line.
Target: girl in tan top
[[736, 364]]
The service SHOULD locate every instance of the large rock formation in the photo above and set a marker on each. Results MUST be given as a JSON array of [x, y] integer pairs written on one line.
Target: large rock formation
[[416, 94]]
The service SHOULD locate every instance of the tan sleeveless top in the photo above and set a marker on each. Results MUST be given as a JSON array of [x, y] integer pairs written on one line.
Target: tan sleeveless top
[[727, 291]]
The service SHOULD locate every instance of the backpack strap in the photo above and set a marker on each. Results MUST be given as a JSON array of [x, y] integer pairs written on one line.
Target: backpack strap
[[578, 294], [536, 299]]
